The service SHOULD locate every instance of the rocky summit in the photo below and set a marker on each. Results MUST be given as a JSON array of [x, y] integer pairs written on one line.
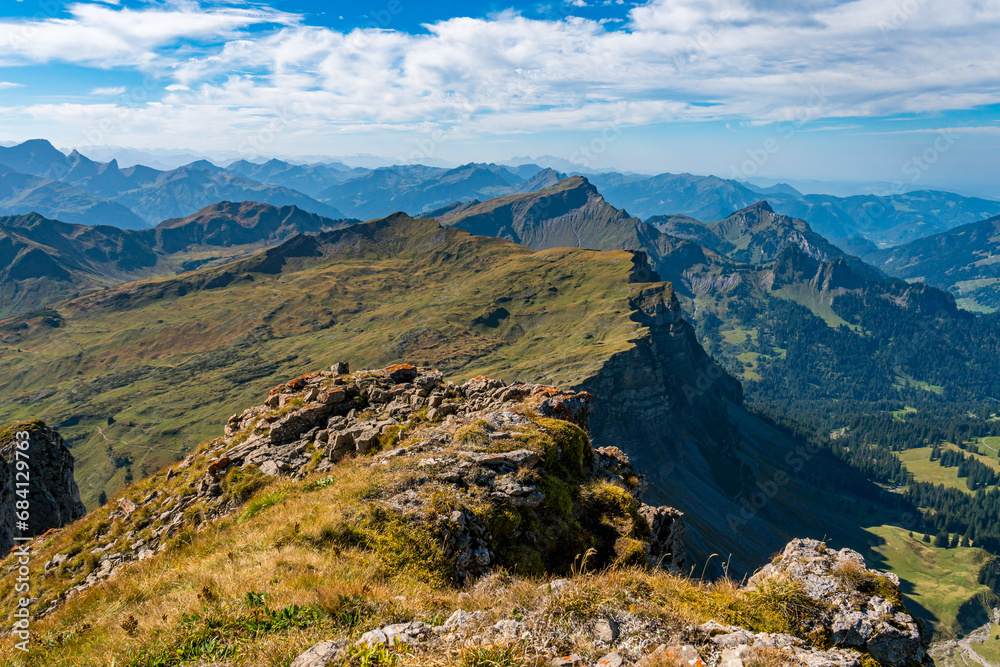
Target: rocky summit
[[480, 442], [390, 517], [53, 498]]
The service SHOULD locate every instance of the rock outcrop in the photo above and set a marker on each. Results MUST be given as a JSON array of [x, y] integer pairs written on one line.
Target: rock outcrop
[[821, 590], [862, 608], [501, 475], [340, 415], [33, 452]]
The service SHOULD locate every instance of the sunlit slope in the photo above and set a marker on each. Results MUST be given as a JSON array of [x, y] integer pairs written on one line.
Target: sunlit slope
[[134, 374]]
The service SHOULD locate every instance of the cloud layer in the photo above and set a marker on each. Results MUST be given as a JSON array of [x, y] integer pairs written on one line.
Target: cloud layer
[[244, 69]]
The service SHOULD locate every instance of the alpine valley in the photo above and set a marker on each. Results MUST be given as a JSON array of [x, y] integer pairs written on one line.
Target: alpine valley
[[754, 427]]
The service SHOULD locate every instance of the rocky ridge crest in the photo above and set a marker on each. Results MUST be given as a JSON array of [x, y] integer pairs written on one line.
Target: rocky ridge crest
[[488, 468]]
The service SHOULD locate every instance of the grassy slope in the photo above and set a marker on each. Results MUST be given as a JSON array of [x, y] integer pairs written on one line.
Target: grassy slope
[[918, 462], [170, 371], [991, 648], [936, 582], [301, 561], [814, 301]]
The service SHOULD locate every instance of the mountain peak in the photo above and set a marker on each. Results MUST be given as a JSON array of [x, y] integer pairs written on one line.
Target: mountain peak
[[36, 144], [36, 157], [761, 206], [23, 220], [203, 165]]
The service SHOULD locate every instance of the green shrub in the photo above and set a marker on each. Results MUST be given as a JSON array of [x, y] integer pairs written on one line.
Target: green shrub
[[242, 483], [260, 504]]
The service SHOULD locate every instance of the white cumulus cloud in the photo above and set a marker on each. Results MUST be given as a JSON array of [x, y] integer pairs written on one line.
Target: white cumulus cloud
[[688, 60]]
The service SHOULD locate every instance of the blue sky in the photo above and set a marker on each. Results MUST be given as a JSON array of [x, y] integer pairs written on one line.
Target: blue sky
[[904, 91]]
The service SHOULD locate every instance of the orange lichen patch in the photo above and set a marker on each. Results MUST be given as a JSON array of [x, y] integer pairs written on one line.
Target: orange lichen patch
[[679, 655], [569, 406], [296, 384], [401, 373], [219, 464], [332, 396], [126, 505]]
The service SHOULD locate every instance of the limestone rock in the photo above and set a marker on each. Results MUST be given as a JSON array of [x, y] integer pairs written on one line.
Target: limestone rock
[[864, 607], [611, 660], [321, 655], [53, 497], [408, 633], [666, 543], [461, 618], [606, 630], [794, 656]]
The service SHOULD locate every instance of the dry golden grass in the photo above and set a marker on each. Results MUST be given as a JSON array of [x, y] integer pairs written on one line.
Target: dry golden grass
[[303, 561], [770, 657], [203, 600]]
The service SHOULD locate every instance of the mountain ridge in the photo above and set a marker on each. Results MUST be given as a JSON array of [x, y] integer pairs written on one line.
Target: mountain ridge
[[600, 321], [962, 260], [148, 195], [80, 258]]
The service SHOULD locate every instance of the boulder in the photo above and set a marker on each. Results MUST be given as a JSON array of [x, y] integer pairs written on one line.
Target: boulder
[[322, 654], [407, 633], [53, 498], [862, 608], [402, 373]]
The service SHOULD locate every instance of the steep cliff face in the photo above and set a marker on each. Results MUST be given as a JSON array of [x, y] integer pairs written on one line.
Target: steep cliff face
[[743, 486], [35, 453], [666, 390], [666, 403]]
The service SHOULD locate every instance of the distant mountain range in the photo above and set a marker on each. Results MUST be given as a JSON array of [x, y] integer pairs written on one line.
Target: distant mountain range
[[887, 220], [39, 178], [35, 177], [418, 189], [45, 261], [964, 260]]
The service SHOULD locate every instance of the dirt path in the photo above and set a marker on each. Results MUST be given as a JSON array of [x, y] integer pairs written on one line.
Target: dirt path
[[962, 652]]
